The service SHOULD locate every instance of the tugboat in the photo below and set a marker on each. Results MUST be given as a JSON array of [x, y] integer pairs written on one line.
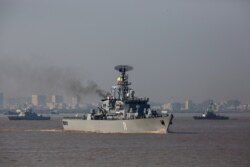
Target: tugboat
[[121, 112], [27, 114], [210, 114]]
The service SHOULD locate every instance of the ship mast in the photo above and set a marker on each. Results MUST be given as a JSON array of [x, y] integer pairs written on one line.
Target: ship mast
[[122, 81]]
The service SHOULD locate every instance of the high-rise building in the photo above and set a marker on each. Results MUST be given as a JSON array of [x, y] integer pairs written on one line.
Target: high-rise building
[[56, 102], [172, 106], [38, 100], [75, 100], [17, 102], [167, 106], [57, 99], [1, 100], [189, 105]]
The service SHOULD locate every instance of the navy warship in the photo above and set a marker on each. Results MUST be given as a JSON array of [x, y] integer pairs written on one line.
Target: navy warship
[[27, 114], [121, 112], [210, 114]]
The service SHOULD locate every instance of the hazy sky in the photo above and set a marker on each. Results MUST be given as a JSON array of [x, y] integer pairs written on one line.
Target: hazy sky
[[179, 49]]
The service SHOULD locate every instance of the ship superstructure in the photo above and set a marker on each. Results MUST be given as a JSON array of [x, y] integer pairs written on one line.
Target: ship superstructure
[[121, 112]]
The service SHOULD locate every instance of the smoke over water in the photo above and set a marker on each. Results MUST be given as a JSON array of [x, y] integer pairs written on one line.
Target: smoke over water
[[19, 78], [77, 88]]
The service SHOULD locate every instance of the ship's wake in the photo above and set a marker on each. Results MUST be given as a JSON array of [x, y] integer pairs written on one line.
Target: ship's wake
[[51, 130]]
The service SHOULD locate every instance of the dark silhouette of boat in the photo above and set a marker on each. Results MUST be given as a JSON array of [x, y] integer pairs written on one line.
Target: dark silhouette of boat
[[27, 114], [210, 114]]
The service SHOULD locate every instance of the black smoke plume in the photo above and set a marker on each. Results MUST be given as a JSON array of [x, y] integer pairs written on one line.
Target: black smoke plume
[[20, 77]]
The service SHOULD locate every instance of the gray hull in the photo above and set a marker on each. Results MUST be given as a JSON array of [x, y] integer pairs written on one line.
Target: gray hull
[[157, 125]]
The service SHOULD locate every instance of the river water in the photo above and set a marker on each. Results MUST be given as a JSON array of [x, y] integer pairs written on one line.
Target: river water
[[191, 143]]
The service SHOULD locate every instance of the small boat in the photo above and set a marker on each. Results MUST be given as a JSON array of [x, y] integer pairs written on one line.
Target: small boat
[[27, 114], [210, 114]]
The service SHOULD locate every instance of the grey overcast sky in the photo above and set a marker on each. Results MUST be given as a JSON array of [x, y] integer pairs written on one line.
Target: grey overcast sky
[[196, 49]]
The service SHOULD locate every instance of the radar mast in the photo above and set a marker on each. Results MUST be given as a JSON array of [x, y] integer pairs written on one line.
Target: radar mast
[[122, 81]]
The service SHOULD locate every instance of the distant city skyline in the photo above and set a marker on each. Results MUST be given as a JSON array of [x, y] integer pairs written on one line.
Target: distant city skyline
[[179, 50], [43, 102]]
